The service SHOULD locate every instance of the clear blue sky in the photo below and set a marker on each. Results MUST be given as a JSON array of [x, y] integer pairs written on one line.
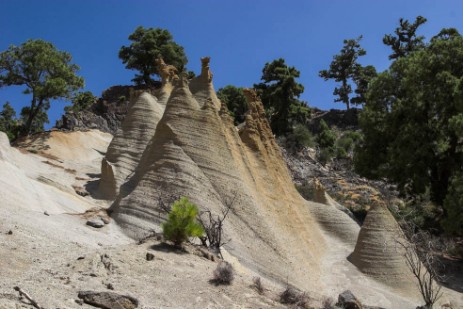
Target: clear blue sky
[[240, 36]]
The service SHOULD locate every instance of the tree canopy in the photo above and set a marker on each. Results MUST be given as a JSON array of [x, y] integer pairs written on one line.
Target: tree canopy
[[8, 122], [344, 68], [81, 101], [235, 100], [47, 74], [147, 46], [413, 123], [279, 91], [404, 40]]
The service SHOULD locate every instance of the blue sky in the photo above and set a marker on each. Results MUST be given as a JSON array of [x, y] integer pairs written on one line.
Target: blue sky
[[240, 36]]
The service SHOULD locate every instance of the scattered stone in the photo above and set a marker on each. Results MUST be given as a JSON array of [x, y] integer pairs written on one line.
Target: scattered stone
[[149, 256], [347, 300], [79, 301], [10, 232], [108, 300], [81, 258], [46, 213], [109, 286], [108, 264], [95, 222]]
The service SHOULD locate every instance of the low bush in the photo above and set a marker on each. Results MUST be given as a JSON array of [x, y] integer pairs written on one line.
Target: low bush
[[300, 137], [181, 223], [325, 155], [223, 274], [291, 296], [346, 143]]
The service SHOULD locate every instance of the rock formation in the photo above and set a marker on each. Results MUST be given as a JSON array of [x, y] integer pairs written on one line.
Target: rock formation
[[201, 86], [378, 253], [197, 152], [127, 146], [167, 72]]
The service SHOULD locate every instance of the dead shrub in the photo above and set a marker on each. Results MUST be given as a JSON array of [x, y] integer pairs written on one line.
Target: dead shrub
[[223, 274], [257, 285], [291, 296]]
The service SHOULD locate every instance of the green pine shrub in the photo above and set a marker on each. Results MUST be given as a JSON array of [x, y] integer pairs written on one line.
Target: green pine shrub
[[181, 223]]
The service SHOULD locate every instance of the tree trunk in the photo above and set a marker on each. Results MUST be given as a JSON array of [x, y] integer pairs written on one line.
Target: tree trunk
[[32, 113], [346, 99]]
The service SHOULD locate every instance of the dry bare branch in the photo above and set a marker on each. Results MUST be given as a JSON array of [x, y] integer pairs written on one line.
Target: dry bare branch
[[420, 255], [28, 297], [213, 225]]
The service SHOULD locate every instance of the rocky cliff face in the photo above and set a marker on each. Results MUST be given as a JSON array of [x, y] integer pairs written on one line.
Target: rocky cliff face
[[106, 114], [129, 142]]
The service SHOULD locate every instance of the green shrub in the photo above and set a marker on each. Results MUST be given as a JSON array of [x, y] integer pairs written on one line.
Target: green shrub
[[326, 141], [453, 204], [81, 101], [346, 143], [326, 138], [300, 136], [341, 153], [181, 223], [325, 155], [9, 122], [235, 100]]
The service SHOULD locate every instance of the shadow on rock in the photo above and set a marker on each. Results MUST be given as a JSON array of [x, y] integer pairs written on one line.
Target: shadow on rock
[[168, 248]]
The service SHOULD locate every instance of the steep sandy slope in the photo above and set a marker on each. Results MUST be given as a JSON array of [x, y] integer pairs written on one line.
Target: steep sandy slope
[[42, 182], [127, 146], [79, 147]]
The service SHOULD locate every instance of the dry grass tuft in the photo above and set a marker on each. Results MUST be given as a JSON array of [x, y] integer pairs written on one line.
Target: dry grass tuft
[[291, 296], [257, 285], [223, 274]]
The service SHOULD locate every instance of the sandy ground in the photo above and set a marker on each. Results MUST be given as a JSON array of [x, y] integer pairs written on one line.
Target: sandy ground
[[53, 256]]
